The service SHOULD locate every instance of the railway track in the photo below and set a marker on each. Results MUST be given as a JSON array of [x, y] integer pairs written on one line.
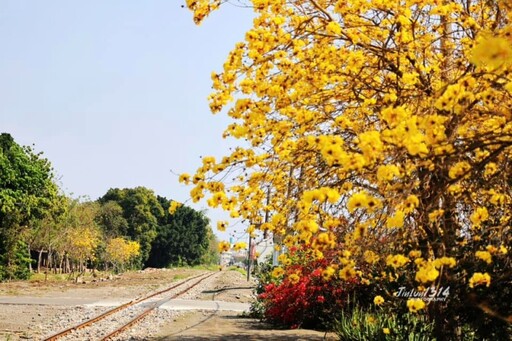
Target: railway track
[[138, 309]]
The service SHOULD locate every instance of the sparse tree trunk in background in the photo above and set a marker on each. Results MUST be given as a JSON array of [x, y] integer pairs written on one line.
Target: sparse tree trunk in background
[[55, 263], [49, 262], [29, 263], [67, 265], [61, 262], [39, 259]]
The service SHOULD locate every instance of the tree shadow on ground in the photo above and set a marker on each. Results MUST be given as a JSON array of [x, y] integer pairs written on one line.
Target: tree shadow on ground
[[240, 329], [238, 337], [224, 289]]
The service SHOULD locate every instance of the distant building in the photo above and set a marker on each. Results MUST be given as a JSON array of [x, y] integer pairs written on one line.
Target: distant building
[[264, 248], [261, 249], [240, 256], [226, 258]]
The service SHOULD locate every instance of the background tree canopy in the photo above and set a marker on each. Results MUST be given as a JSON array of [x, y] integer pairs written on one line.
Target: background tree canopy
[[141, 210], [26, 192], [183, 237], [165, 239], [124, 228]]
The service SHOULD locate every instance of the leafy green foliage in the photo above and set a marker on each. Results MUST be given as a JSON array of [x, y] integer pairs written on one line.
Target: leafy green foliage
[[359, 324], [26, 183], [110, 218], [27, 191], [184, 239], [68, 234], [211, 256], [138, 214], [15, 264], [141, 210]]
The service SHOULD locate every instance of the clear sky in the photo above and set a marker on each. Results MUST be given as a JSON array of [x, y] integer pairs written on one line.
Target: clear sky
[[114, 92]]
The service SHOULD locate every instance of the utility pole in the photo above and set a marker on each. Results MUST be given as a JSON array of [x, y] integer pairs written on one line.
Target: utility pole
[[249, 259], [250, 255]]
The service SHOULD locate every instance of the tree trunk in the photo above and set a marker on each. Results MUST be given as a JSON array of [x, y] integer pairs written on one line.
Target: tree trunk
[[30, 256], [61, 262], [55, 263], [39, 259], [67, 265], [49, 261]]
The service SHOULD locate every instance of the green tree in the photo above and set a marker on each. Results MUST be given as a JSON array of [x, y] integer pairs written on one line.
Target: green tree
[[183, 238], [44, 234], [68, 239], [26, 192], [211, 256], [142, 211], [111, 220]]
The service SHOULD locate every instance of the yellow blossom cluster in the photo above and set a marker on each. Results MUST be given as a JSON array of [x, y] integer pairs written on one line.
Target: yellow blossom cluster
[[378, 300], [347, 272], [415, 304], [294, 278], [479, 216], [277, 272], [485, 256], [362, 200], [240, 246], [222, 225], [370, 257], [120, 251], [328, 273], [428, 271], [396, 261], [174, 206], [479, 278], [224, 246]]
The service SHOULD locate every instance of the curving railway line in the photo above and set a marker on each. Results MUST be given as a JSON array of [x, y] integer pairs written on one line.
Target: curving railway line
[[126, 315]]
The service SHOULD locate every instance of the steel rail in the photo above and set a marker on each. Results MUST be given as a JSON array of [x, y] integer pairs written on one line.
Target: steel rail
[[116, 309], [149, 310]]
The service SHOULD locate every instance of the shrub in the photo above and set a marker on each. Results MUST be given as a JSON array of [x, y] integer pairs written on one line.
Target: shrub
[[360, 324], [301, 295]]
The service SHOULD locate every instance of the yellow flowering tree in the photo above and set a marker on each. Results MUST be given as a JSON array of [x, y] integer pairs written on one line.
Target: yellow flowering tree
[[378, 129], [82, 243], [78, 236], [120, 251]]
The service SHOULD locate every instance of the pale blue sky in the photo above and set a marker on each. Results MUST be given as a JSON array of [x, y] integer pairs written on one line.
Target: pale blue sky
[[114, 92]]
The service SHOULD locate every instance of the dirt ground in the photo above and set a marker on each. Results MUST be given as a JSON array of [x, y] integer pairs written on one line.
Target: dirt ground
[[229, 326], [20, 322], [23, 322], [222, 325], [127, 285]]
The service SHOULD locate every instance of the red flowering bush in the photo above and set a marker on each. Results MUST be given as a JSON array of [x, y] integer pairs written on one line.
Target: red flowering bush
[[300, 295]]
